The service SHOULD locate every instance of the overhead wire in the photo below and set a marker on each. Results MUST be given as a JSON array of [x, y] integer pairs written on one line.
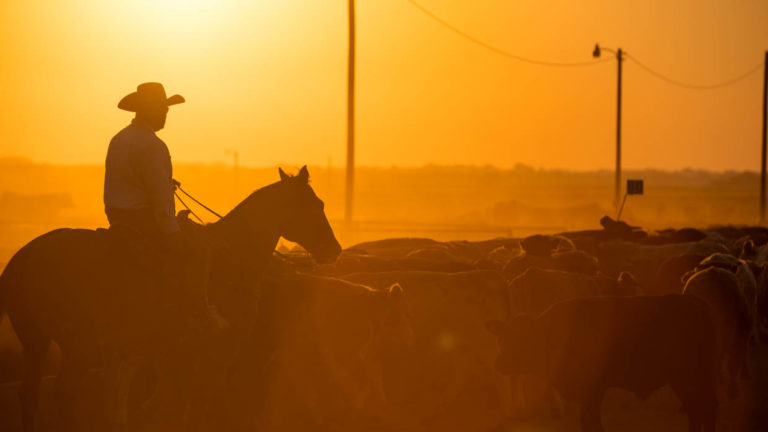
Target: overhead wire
[[500, 51], [538, 62], [679, 83]]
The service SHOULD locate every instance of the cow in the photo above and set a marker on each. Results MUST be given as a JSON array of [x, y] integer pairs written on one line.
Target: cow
[[393, 247], [536, 290], [747, 283], [671, 236], [401, 247], [644, 261], [720, 289], [350, 262], [584, 346], [452, 354], [519, 264], [575, 261], [313, 361], [550, 252], [504, 253], [761, 306], [669, 276]]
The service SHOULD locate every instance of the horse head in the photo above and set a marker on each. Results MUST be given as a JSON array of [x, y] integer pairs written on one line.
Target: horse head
[[302, 217], [288, 208]]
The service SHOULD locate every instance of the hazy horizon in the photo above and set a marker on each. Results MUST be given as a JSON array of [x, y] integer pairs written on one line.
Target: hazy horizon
[[296, 165]]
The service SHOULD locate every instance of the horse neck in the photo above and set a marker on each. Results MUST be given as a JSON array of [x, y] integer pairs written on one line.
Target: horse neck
[[251, 229]]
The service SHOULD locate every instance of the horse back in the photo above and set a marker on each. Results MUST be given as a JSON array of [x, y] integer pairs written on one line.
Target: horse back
[[53, 272]]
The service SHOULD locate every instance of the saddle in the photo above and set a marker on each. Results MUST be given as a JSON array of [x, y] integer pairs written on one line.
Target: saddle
[[131, 246]]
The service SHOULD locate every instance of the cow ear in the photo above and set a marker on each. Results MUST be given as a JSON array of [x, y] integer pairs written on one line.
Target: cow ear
[[628, 283], [688, 275], [495, 327], [747, 249], [304, 174], [395, 293], [283, 175]]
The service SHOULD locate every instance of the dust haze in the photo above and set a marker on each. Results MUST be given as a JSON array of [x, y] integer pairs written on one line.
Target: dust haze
[[440, 202]]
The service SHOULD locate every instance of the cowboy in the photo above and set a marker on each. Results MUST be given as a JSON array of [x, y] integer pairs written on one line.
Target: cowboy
[[139, 194], [138, 183]]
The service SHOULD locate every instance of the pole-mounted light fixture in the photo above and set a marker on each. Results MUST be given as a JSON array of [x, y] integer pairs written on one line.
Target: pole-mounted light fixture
[[620, 58]]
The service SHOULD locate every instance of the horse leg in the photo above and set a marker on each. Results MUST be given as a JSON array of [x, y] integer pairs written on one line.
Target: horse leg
[[503, 384], [556, 403], [35, 350], [69, 386], [590, 418], [118, 372], [733, 364], [208, 381], [520, 403]]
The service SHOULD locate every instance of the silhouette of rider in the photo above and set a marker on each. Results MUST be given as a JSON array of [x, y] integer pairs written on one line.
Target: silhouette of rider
[[139, 189], [138, 184]]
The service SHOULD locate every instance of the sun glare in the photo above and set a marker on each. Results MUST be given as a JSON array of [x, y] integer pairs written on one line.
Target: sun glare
[[179, 23]]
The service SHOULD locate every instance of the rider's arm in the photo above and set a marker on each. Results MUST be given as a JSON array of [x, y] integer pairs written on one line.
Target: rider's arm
[[157, 173]]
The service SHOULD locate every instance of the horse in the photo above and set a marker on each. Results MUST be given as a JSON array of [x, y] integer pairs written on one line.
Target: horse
[[69, 286]]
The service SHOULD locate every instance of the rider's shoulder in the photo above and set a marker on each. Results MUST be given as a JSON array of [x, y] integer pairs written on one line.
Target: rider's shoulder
[[140, 136]]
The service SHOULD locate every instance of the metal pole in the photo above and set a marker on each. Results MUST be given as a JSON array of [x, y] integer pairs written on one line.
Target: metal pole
[[765, 119], [350, 117], [617, 186], [624, 201]]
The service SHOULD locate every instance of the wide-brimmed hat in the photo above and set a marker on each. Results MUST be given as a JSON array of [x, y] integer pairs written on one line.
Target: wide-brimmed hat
[[148, 95]]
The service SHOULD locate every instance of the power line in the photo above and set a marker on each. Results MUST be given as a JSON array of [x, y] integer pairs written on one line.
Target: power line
[[678, 83], [538, 62], [500, 51]]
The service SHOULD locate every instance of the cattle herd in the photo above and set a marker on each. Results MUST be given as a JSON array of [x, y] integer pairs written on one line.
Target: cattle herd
[[420, 335]]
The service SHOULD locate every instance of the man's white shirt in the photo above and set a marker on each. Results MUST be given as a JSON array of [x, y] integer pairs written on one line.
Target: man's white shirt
[[139, 175]]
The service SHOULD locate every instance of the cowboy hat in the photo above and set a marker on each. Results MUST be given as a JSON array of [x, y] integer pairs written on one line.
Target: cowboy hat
[[148, 95]]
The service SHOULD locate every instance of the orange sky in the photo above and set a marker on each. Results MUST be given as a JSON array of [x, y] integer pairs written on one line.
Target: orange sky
[[267, 77]]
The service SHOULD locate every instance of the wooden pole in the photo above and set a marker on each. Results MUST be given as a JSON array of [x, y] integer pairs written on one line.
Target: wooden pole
[[350, 183], [617, 186], [765, 119]]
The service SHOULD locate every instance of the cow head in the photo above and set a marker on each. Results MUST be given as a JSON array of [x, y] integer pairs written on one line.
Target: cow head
[[538, 245], [514, 342], [390, 328], [628, 284], [748, 250], [396, 321]]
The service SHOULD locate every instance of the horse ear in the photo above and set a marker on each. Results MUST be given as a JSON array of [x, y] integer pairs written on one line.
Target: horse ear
[[283, 175], [304, 174]]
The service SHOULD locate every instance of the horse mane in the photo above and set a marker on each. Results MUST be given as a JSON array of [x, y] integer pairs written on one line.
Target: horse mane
[[256, 196], [259, 194]]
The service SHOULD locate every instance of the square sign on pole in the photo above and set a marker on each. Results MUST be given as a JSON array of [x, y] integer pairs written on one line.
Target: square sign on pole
[[634, 187]]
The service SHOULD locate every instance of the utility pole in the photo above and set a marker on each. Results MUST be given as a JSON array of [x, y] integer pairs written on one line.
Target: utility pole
[[617, 186], [350, 185], [619, 59], [765, 119]]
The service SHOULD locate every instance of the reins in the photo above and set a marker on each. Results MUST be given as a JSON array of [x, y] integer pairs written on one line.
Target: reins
[[177, 186]]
